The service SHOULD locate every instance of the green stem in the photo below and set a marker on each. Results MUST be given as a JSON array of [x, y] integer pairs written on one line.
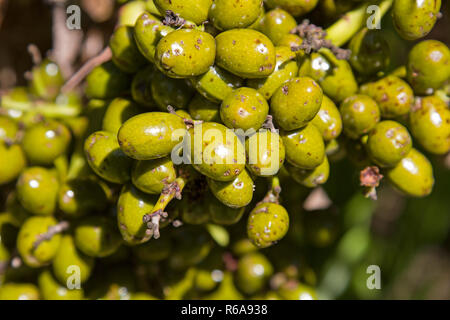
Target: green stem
[[399, 72], [443, 95], [275, 184], [347, 26], [78, 166], [169, 193], [274, 192], [62, 167], [47, 109]]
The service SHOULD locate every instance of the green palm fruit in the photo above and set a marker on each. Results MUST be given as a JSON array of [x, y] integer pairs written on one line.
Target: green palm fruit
[[267, 224]]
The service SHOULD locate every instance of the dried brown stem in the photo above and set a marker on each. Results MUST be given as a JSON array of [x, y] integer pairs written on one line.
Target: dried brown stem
[[52, 231], [173, 19], [66, 42], [188, 122], [268, 124], [35, 54], [79, 76], [370, 178], [314, 39]]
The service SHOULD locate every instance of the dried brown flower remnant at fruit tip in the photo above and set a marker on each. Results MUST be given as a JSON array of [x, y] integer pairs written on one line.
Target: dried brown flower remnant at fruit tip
[[153, 221], [268, 124], [173, 19], [177, 223], [314, 39], [173, 188], [272, 196], [189, 123], [370, 178], [231, 264]]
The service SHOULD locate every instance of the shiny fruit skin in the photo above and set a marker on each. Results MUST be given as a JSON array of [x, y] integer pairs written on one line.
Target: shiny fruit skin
[[304, 147], [297, 8], [328, 120], [148, 136], [148, 31], [388, 143], [203, 109], [68, 255], [216, 83], [235, 194], [106, 82], [97, 236], [246, 53], [285, 69], [334, 76], [46, 141], [413, 175], [414, 19], [185, 53], [37, 190], [296, 103], [192, 10], [225, 14], [267, 224], [265, 153], [12, 162], [125, 53], [225, 165], [79, 197], [51, 289], [244, 108], [277, 23], [106, 159], [430, 124], [428, 66], [19, 291], [393, 96], [119, 111], [360, 114], [132, 206], [311, 178], [46, 250], [152, 176], [253, 273]]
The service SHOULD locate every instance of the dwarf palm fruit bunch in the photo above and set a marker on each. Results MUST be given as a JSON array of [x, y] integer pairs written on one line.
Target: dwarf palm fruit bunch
[[210, 120]]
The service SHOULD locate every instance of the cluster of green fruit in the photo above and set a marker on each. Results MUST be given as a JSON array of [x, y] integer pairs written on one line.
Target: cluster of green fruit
[[92, 187]]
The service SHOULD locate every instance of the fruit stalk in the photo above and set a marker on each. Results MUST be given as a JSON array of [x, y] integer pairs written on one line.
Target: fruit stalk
[[273, 196], [347, 26], [53, 230], [46, 109], [153, 219], [76, 79]]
